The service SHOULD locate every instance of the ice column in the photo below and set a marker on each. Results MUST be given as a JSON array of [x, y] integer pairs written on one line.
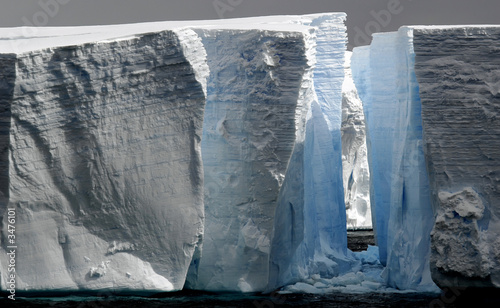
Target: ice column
[[310, 221], [103, 163], [458, 69], [400, 188], [255, 107]]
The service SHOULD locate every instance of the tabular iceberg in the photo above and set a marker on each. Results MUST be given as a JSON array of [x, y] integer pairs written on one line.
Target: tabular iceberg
[[101, 154], [219, 155], [265, 74], [101, 157], [458, 70], [430, 98]]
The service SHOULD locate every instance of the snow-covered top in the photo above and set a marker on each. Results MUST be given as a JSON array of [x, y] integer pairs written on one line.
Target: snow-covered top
[[446, 27], [25, 39], [473, 29]]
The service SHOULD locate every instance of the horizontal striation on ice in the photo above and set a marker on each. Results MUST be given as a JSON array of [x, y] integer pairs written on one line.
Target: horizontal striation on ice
[[253, 109], [401, 206], [101, 160], [310, 221], [260, 90], [101, 154], [458, 71]]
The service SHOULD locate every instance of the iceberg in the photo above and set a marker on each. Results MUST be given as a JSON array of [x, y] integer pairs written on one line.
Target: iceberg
[[310, 236], [272, 80], [458, 72], [429, 95], [233, 155], [254, 107], [401, 205], [111, 182], [101, 167]]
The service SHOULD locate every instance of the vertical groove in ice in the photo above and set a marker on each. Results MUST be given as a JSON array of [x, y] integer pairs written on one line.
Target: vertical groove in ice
[[400, 189]]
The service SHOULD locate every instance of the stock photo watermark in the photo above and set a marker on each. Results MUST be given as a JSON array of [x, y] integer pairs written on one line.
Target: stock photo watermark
[[224, 6], [381, 20], [11, 253], [48, 9]]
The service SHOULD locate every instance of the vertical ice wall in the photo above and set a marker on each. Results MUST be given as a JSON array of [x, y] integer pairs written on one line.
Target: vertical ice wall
[[103, 162], [254, 110], [400, 189], [310, 220], [458, 69]]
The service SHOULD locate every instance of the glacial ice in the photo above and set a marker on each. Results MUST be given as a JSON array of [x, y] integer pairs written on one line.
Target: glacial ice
[[254, 107], [430, 96], [458, 70], [306, 240], [386, 81], [221, 155], [101, 158], [355, 170], [261, 127], [83, 152]]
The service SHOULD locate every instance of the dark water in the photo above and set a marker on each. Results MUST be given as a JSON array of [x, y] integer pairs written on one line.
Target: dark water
[[358, 240], [203, 299]]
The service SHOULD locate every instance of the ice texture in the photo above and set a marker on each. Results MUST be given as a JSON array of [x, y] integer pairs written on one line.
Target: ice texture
[[254, 106], [401, 205], [101, 158], [458, 70], [101, 154], [355, 169], [260, 92], [310, 235]]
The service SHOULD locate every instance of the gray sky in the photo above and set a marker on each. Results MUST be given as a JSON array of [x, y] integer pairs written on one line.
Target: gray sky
[[364, 16]]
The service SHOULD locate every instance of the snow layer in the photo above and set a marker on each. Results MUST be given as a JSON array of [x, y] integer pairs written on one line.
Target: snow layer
[[101, 161], [458, 71], [356, 173], [401, 206]]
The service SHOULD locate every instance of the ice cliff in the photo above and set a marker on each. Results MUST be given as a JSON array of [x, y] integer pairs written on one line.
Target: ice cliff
[[387, 84], [102, 154], [458, 70], [101, 157], [430, 96], [273, 106], [221, 156]]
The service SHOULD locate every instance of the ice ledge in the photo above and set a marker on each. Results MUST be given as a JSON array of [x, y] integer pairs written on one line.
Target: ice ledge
[[24, 39]]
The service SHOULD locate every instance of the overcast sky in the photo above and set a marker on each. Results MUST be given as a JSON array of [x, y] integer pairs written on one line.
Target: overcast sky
[[364, 16]]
